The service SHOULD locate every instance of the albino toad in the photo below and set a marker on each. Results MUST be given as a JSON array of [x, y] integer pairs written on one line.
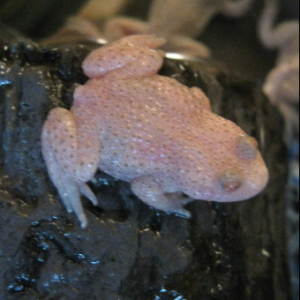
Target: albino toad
[[148, 130]]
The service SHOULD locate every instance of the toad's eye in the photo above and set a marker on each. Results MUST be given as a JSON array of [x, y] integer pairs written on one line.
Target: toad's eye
[[247, 147], [230, 182]]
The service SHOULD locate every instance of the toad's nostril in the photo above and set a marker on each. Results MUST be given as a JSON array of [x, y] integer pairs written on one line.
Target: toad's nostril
[[247, 147], [230, 182]]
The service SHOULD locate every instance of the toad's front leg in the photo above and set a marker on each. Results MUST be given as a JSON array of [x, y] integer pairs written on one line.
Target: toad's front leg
[[71, 148], [153, 192]]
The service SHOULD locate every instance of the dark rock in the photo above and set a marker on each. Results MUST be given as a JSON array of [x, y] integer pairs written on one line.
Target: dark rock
[[129, 251]]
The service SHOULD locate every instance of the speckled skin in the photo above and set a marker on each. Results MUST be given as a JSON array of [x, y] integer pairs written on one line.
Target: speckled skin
[[148, 130]]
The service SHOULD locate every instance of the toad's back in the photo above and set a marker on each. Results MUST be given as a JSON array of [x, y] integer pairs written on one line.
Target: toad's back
[[142, 122], [155, 99]]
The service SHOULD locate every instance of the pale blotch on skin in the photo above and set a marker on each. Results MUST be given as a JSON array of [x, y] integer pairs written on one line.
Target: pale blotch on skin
[[149, 130], [247, 147]]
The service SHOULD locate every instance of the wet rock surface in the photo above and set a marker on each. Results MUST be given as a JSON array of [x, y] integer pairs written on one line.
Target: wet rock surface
[[129, 251]]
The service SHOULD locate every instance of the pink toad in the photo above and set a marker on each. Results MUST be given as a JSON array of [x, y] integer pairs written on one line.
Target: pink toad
[[148, 130]]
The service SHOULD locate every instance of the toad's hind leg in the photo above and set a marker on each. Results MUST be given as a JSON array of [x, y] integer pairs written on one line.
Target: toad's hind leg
[[150, 190], [71, 148]]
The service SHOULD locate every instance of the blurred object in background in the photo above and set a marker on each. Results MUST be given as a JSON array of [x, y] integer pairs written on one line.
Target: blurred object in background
[[191, 17], [97, 10], [37, 19], [282, 83], [179, 21], [282, 88], [76, 30]]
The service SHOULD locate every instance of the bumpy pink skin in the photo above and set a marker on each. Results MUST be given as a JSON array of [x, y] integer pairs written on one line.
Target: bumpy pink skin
[[148, 130]]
